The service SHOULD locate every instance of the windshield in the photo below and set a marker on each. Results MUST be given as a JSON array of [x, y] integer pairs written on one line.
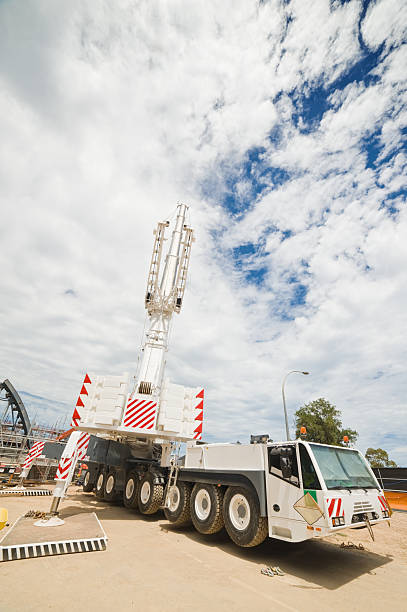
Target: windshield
[[342, 468]]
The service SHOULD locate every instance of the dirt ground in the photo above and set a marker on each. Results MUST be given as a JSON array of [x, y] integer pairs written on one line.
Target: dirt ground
[[150, 565]]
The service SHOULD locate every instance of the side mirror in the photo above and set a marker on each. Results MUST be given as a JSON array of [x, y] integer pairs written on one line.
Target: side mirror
[[285, 466]]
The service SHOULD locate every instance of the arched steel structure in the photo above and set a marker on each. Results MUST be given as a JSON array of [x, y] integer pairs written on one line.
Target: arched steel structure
[[15, 409]]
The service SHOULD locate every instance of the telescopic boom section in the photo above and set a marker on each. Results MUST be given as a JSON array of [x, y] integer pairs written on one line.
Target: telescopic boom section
[[163, 298]]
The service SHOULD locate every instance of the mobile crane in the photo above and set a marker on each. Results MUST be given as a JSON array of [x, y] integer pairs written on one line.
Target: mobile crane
[[129, 436]]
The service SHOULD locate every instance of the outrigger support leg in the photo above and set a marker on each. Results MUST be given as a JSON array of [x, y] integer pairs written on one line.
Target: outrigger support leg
[[74, 451]]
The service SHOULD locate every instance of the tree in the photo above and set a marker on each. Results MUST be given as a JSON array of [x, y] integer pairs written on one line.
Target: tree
[[323, 423], [378, 458]]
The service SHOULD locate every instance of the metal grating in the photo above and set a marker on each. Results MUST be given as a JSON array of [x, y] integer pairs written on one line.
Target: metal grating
[[24, 492], [13, 553]]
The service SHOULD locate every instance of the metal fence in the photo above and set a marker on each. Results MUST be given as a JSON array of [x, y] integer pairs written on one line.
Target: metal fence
[[392, 479]]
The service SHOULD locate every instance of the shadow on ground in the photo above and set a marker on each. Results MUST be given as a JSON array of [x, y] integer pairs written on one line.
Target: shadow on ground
[[320, 563]]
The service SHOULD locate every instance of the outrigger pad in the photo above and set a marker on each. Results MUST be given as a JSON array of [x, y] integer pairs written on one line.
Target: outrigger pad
[[79, 533], [28, 492]]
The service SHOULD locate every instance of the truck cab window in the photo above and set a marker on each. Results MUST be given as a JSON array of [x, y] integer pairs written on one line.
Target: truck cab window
[[310, 479], [275, 465]]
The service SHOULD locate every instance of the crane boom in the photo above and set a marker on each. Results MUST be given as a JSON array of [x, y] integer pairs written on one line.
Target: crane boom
[[156, 411], [163, 299]]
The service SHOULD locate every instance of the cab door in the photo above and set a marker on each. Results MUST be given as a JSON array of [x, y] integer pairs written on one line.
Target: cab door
[[283, 491]]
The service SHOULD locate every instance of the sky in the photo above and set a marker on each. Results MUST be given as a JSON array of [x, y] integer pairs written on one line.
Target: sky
[[282, 124]]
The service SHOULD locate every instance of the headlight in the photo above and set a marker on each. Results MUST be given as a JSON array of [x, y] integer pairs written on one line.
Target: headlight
[[338, 520]]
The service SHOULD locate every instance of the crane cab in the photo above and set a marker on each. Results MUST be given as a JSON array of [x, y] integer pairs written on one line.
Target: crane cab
[[315, 489]]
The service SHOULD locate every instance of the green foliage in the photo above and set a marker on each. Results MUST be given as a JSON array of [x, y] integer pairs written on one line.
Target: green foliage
[[323, 423], [378, 458]]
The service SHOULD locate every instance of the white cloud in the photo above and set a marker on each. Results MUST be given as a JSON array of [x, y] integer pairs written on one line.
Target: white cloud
[[385, 22], [109, 114]]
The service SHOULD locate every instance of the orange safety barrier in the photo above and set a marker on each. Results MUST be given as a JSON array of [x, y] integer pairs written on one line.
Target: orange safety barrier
[[397, 499]]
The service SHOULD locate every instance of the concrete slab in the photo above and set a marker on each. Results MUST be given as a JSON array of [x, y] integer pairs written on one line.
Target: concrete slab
[[79, 533]]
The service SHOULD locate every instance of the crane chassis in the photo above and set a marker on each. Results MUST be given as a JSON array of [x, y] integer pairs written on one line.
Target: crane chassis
[[129, 433]]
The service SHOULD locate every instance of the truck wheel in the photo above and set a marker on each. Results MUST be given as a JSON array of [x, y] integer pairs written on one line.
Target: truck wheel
[[149, 495], [109, 489], [100, 484], [241, 513], [206, 508], [88, 483], [179, 512], [130, 490]]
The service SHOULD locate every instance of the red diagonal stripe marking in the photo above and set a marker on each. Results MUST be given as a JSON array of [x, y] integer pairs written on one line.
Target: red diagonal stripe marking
[[331, 507], [199, 417], [383, 502], [132, 402], [201, 394], [148, 424], [64, 467], [338, 510], [64, 471], [145, 417], [139, 413], [134, 409], [199, 406], [137, 417], [138, 420], [83, 391], [87, 380], [82, 444], [141, 404], [199, 428]]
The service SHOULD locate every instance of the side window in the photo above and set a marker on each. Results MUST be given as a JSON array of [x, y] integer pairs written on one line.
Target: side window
[[275, 465], [309, 476]]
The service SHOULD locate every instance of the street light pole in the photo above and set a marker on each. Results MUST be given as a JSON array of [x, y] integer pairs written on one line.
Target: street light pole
[[282, 391]]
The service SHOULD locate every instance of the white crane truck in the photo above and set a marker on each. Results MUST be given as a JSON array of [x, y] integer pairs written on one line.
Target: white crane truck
[[129, 434]]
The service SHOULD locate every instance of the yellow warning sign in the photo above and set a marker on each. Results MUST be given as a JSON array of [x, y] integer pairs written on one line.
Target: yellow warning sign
[[308, 508]]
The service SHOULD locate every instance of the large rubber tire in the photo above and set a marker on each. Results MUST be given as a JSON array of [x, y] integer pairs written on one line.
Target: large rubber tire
[[149, 495], [130, 490], [88, 482], [206, 508], [241, 513], [100, 484], [110, 484], [179, 511]]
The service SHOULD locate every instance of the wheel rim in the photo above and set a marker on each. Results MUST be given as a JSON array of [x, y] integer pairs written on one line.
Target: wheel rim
[[145, 492], [110, 484], [130, 488], [174, 499], [99, 483], [86, 479], [239, 512], [202, 504]]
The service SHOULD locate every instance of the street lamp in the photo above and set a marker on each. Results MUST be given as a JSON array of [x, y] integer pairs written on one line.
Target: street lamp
[[282, 391]]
